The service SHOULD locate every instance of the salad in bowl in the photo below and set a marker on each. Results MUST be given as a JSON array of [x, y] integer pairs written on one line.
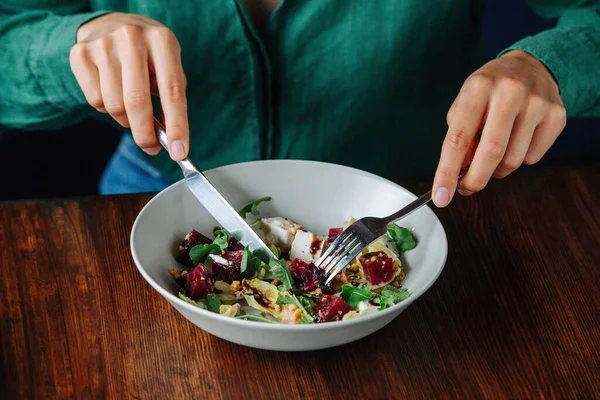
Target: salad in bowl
[[220, 275]]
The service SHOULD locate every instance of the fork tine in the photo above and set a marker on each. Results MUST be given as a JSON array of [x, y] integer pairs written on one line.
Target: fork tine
[[342, 262], [334, 247], [352, 240]]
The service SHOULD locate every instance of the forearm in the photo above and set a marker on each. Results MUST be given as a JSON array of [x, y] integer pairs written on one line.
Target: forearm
[[37, 87], [571, 51]]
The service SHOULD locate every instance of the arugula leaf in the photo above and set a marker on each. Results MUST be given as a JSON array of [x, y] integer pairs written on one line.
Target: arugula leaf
[[309, 296], [250, 264], [261, 255], [252, 207], [280, 272], [276, 250], [402, 236], [190, 301], [391, 295], [213, 303], [222, 239], [306, 305], [307, 318], [257, 318], [354, 295], [199, 252]]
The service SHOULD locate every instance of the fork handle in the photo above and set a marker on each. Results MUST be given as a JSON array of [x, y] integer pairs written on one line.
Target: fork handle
[[418, 203], [410, 208]]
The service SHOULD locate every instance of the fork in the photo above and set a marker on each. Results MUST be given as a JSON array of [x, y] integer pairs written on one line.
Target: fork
[[354, 239]]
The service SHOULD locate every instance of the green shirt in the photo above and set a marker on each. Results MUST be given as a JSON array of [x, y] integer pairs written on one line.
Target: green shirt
[[355, 82]]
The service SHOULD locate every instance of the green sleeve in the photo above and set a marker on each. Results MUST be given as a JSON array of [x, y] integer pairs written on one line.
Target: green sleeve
[[37, 88], [571, 51]]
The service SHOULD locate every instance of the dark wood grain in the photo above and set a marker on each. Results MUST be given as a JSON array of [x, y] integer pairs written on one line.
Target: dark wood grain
[[515, 314]]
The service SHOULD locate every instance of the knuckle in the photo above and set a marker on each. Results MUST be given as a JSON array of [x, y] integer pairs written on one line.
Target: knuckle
[[493, 149], [137, 98], [449, 116], [480, 81], [511, 162], [130, 32], [502, 173], [474, 185], [78, 52], [163, 34], [102, 48], [95, 100], [145, 141], [175, 90], [115, 109], [457, 140], [560, 114], [513, 86], [536, 104]]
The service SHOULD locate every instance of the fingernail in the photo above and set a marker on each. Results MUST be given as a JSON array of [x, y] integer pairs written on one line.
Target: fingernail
[[464, 192], [442, 196], [152, 150], [177, 150]]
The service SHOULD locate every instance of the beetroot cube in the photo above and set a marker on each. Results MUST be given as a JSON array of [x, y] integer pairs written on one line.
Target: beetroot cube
[[227, 266], [378, 267], [333, 234], [308, 276], [199, 283], [331, 308], [191, 239]]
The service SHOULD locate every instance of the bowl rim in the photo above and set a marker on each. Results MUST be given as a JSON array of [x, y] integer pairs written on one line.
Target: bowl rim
[[396, 308]]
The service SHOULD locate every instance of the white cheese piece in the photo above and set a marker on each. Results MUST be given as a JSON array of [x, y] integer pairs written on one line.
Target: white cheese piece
[[306, 246], [279, 231]]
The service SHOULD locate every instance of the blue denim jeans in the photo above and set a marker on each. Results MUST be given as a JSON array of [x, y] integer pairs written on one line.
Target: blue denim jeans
[[128, 172]]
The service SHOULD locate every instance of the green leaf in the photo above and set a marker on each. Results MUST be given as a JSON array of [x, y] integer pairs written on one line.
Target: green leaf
[[250, 264], [402, 236], [252, 207], [354, 295], [222, 239], [199, 252], [306, 305], [261, 255], [280, 271], [190, 301], [391, 295], [257, 318], [213, 303], [276, 250], [307, 318]]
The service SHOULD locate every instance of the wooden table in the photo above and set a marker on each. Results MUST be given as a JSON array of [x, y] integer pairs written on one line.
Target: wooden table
[[515, 314]]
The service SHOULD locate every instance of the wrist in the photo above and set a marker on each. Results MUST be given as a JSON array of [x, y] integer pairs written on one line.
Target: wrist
[[538, 66], [85, 31]]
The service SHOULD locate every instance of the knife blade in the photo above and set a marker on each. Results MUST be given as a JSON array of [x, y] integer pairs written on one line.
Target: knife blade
[[214, 202]]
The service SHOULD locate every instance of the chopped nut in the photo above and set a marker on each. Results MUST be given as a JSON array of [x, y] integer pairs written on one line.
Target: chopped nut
[[276, 282], [235, 286], [396, 284], [297, 316], [318, 292], [354, 267]]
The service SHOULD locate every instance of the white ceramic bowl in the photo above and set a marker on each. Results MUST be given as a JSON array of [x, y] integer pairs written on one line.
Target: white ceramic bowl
[[317, 195]]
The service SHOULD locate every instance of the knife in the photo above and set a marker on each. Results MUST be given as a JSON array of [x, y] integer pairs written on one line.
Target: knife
[[215, 203]]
